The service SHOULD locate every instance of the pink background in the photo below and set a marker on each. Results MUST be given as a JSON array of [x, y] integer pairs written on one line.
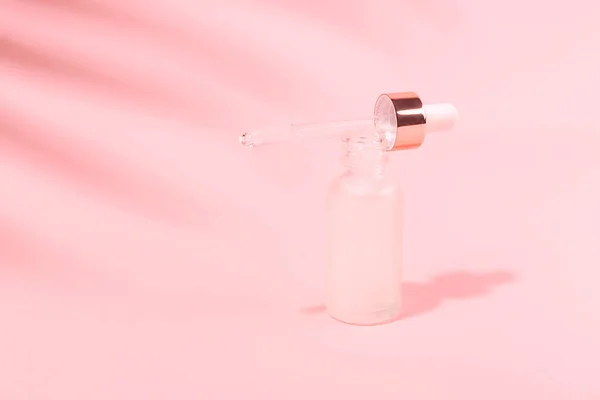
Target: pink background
[[144, 254]]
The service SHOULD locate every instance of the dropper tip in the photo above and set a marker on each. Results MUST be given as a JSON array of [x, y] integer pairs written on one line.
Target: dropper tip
[[246, 139]]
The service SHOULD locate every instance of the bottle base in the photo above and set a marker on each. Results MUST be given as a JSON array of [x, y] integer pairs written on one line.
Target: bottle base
[[382, 317]]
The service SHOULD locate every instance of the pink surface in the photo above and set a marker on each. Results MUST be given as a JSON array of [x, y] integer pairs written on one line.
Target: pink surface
[[145, 254]]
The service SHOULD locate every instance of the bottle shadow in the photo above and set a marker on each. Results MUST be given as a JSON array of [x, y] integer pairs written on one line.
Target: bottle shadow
[[422, 298]]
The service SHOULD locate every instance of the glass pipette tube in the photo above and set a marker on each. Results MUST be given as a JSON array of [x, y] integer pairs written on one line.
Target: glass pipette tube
[[290, 132]]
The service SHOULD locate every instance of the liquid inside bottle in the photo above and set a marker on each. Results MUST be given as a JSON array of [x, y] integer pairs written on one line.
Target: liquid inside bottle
[[365, 217]]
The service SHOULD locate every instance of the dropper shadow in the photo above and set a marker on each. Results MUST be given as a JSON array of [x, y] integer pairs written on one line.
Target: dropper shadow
[[422, 298]]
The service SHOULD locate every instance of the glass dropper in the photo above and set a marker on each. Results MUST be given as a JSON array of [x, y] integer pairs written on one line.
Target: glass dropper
[[290, 132], [401, 118]]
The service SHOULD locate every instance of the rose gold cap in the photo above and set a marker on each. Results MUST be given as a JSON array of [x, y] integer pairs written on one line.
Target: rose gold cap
[[405, 120]]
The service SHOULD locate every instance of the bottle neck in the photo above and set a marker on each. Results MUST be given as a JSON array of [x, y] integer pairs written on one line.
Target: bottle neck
[[365, 155]]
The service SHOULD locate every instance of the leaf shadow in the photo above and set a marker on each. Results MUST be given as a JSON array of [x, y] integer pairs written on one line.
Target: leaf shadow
[[218, 55], [138, 192], [26, 255], [136, 91]]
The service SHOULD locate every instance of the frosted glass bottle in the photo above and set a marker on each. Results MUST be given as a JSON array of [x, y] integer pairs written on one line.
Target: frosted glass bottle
[[365, 218]]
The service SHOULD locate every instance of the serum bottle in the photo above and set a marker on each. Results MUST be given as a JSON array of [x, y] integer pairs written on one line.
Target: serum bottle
[[364, 224], [364, 204], [365, 212]]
